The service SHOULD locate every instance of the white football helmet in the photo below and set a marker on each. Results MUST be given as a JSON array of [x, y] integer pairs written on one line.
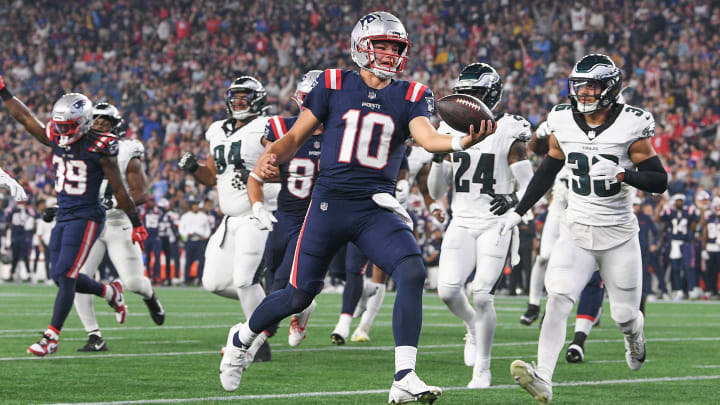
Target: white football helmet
[[110, 113], [378, 26], [600, 71], [256, 97], [72, 117], [307, 83]]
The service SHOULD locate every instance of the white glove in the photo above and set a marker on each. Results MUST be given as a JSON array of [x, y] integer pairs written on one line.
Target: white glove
[[265, 219], [509, 221], [388, 202], [13, 186], [402, 191], [543, 130], [705, 255], [605, 169]]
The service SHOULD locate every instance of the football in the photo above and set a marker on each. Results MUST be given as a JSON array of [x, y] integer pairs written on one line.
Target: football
[[461, 110]]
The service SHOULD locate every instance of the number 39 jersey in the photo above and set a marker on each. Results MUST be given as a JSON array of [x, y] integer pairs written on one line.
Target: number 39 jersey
[[483, 169], [298, 175], [363, 142], [78, 176], [235, 152], [598, 202]]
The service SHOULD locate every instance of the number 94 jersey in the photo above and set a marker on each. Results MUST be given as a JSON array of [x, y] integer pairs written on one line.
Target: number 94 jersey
[[235, 152], [599, 202], [483, 169], [298, 175]]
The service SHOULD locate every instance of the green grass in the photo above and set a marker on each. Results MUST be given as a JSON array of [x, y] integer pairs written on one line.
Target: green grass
[[179, 361]]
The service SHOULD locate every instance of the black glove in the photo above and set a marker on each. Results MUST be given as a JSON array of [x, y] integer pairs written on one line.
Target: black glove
[[107, 203], [188, 162], [501, 203], [240, 179], [49, 214], [439, 157]]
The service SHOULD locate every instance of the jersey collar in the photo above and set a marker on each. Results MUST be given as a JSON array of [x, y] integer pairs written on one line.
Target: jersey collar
[[580, 121]]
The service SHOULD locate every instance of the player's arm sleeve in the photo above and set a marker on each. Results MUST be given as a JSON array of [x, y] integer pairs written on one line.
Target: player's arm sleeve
[[650, 176], [438, 179], [317, 100], [540, 183]]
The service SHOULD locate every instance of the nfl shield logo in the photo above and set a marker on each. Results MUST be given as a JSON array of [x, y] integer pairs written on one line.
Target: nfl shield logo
[[372, 95], [323, 206], [316, 145]]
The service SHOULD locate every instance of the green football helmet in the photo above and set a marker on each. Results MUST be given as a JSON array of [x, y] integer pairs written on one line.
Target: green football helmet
[[599, 72], [482, 81]]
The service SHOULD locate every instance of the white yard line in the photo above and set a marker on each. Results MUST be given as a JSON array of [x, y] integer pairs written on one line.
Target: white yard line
[[382, 391]]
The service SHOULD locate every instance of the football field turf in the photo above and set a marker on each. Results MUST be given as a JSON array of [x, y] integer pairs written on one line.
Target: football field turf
[[178, 362]]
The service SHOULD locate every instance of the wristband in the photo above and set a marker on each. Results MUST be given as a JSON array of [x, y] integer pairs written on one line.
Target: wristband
[[5, 94], [256, 177], [135, 220], [457, 144]]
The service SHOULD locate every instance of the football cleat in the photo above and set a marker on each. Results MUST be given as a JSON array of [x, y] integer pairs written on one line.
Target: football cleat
[[480, 380], [412, 389], [157, 312], [234, 362], [361, 334], [118, 301], [575, 353], [531, 315], [46, 345], [635, 347], [339, 335], [469, 352], [95, 343], [263, 353], [298, 325], [524, 375]]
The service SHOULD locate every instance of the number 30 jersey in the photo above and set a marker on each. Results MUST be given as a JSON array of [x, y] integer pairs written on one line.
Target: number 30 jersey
[[235, 152], [363, 141], [78, 176], [483, 168], [599, 202], [298, 175]]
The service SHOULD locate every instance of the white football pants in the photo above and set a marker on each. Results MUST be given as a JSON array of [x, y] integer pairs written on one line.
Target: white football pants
[[550, 235], [126, 256], [232, 258]]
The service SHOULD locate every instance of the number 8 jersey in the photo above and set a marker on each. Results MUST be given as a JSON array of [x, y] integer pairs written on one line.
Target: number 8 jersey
[[235, 152], [599, 202]]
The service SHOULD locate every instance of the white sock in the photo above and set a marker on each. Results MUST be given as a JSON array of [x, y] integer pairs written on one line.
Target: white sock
[[108, 292], [259, 340], [537, 281], [250, 297], [484, 329], [552, 334], [583, 325], [53, 335], [246, 336], [373, 307], [405, 357], [344, 322]]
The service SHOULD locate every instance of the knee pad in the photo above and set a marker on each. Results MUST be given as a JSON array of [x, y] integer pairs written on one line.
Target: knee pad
[[448, 292], [135, 284], [483, 301], [560, 304], [410, 270], [623, 314]]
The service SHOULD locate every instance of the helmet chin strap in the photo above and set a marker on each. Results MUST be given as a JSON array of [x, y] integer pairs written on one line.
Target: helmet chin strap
[[587, 108]]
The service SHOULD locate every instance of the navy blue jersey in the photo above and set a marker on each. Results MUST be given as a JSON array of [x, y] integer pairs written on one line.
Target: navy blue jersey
[[78, 175], [298, 175], [363, 142], [152, 221], [713, 230], [677, 222]]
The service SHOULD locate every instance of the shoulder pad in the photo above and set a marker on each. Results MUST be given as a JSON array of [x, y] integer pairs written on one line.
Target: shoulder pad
[[212, 128], [103, 143], [135, 147], [562, 107], [333, 79], [277, 126], [518, 126], [415, 92]]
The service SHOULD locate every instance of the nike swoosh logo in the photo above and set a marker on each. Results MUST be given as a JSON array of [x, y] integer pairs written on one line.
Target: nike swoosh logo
[[98, 346], [647, 117], [125, 229]]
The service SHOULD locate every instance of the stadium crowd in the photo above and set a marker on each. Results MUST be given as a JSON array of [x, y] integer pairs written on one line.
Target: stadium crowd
[[166, 65]]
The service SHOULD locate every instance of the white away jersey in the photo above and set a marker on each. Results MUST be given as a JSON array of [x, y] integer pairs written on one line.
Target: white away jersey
[[127, 150], [235, 153], [483, 168], [596, 202]]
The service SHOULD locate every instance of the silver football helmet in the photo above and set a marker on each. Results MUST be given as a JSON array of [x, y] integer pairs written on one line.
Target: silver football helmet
[[600, 72], [110, 113], [308, 81], [72, 117], [378, 26], [256, 97]]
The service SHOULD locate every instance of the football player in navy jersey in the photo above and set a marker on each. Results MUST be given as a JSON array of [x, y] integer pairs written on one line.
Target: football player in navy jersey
[[81, 159], [680, 222], [367, 118], [711, 247]]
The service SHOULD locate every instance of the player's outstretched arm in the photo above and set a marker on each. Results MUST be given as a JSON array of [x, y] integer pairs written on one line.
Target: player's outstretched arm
[[204, 173], [429, 138], [137, 181], [23, 115], [286, 147], [125, 203]]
